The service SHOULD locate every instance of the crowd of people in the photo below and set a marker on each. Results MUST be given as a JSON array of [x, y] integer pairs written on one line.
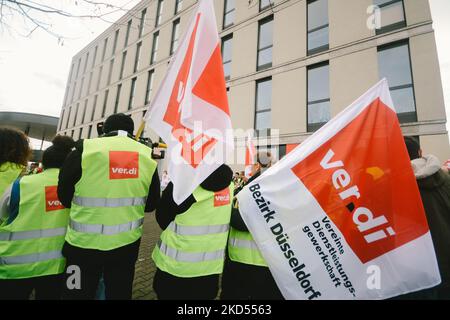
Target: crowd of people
[[76, 226]]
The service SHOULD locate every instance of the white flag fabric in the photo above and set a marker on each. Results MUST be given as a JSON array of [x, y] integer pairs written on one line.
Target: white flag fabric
[[190, 110], [341, 216]]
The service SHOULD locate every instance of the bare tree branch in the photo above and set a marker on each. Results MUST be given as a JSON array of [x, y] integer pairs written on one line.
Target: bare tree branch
[[33, 11]]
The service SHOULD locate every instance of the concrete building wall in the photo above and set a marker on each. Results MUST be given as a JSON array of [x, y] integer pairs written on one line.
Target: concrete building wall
[[352, 58]]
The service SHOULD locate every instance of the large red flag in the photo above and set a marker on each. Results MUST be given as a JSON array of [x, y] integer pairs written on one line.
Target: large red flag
[[341, 216], [190, 111]]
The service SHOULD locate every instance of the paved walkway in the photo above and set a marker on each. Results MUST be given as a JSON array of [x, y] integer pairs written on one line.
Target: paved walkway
[[145, 267]]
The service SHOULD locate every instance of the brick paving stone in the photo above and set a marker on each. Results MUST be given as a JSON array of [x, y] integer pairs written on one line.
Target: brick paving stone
[[145, 268]]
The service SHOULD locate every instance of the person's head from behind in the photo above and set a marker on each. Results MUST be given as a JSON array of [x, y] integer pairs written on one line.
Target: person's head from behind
[[413, 147], [14, 146], [119, 121], [263, 162], [56, 154]]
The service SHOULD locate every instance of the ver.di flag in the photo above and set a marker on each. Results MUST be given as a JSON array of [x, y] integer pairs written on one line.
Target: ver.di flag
[[190, 110], [341, 216]]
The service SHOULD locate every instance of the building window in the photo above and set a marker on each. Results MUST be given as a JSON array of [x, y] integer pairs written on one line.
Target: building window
[[227, 43], [178, 6], [127, 36], [116, 37], [89, 83], [263, 105], [94, 57], [392, 13], [394, 64], [142, 23], [73, 92], [154, 48], [78, 68], [265, 44], [137, 57], [81, 88], [318, 26], [175, 36], [94, 106], [80, 134], [71, 73], [149, 88], [75, 115], [86, 63], [111, 66], [105, 102], [83, 118], [132, 93], [264, 4], [68, 118], [122, 67], [105, 45], [116, 105], [228, 16], [89, 132], [318, 96], [61, 120], [159, 13], [72, 133], [100, 71]]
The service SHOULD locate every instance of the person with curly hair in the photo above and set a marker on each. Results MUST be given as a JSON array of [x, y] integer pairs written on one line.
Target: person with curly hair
[[33, 230], [14, 154]]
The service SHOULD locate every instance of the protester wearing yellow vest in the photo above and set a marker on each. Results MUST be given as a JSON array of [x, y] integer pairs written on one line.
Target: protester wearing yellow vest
[[108, 183], [190, 254], [32, 235], [246, 275], [14, 154]]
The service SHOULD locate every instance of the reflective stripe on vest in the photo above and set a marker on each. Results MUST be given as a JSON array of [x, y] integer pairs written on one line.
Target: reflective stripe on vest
[[35, 234], [190, 256], [197, 230], [242, 248], [31, 258], [109, 202], [106, 230], [246, 244]]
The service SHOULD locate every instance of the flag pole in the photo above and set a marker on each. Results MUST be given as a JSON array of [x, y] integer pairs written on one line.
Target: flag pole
[[140, 130]]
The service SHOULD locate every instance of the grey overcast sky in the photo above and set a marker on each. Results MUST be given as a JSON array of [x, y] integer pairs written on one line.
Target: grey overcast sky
[[34, 70]]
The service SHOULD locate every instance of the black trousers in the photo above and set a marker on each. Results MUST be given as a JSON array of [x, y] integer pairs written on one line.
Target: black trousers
[[241, 281], [45, 288], [169, 287], [117, 267]]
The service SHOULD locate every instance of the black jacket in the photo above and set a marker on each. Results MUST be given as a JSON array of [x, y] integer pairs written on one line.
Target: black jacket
[[236, 219], [71, 172], [434, 187]]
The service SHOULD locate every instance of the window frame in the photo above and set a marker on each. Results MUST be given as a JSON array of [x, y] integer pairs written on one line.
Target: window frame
[[404, 117], [259, 132], [308, 32], [132, 93], [393, 26], [118, 92], [228, 37], [149, 86], [313, 127], [225, 13], [175, 24], [259, 50]]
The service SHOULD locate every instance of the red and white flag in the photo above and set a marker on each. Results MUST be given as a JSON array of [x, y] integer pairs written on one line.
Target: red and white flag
[[341, 216], [250, 155], [190, 110], [447, 164]]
